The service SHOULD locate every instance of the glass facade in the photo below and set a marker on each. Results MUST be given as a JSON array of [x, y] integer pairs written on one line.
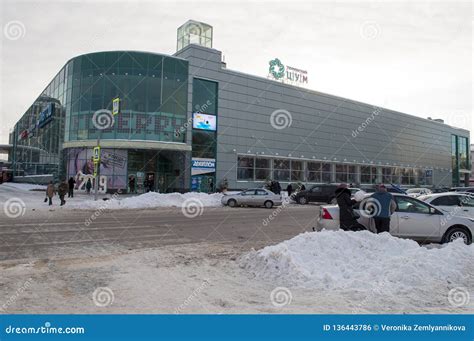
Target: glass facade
[[460, 159], [152, 90], [204, 135]]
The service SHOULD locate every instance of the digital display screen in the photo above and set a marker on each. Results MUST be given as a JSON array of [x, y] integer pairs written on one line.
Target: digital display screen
[[204, 121]]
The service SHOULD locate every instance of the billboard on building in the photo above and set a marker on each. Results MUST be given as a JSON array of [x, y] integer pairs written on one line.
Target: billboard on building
[[204, 121], [203, 166]]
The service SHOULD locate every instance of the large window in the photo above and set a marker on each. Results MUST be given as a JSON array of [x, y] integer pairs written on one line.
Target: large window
[[297, 173], [281, 169], [262, 169], [245, 168], [368, 174], [463, 148], [314, 171], [326, 172], [204, 144]]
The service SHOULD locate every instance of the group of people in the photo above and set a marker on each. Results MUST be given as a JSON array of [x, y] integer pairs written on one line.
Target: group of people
[[380, 208], [64, 187]]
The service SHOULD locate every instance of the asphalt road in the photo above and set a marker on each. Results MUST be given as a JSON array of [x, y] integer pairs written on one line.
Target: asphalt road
[[58, 234]]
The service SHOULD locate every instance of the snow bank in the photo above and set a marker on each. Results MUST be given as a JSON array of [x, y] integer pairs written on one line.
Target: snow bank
[[23, 187], [153, 200], [359, 260]]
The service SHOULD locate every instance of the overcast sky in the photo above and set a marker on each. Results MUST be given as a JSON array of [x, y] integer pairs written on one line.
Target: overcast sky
[[414, 57]]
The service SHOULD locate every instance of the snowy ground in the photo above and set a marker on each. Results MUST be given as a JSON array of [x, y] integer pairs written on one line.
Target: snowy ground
[[31, 198], [317, 272]]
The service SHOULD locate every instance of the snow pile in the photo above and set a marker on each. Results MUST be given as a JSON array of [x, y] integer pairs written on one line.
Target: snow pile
[[360, 261], [23, 187], [154, 200]]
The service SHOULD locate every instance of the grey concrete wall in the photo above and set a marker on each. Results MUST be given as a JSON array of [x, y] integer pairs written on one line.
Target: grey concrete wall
[[323, 126]]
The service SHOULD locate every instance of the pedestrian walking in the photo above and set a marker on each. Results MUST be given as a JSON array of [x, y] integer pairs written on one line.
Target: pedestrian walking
[[88, 186], [289, 189], [71, 183], [277, 188], [50, 190], [383, 208], [131, 184], [62, 190]]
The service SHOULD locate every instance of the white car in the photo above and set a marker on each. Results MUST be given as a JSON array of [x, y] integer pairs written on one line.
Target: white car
[[253, 197], [413, 219], [416, 192], [454, 203]]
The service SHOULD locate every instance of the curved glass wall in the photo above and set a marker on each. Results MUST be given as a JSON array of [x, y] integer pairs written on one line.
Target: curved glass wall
[[152, 89]]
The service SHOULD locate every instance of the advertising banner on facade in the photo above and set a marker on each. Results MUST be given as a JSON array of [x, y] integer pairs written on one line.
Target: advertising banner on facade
[[203, 166], [113, 165], [204, 121]]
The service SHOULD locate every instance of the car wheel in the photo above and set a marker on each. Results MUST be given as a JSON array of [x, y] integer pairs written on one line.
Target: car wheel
[[302, 201], [268, 204], [333, 201], [232, 203], [457, 233]]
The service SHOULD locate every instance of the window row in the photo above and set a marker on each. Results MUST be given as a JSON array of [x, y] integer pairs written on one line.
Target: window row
[[250, 168]]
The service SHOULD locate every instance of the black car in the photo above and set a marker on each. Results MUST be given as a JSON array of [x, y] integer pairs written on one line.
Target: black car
[[317, 193]]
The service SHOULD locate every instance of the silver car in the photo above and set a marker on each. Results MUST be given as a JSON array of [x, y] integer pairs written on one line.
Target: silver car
[[413, 219], [252, 197]]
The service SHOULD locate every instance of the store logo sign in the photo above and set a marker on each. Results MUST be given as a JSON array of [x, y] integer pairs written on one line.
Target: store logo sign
[[286, 74], [202, 166], [46, 115]]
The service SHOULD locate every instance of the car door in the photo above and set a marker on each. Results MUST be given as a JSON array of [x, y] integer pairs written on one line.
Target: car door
[[248, 197], [260, 197], [467, 205], [314, 194], [416, 220]]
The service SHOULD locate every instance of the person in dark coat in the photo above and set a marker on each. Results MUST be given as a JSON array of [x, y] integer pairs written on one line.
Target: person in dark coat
[[131, 184], [277, 188], [88, 186], [62, 190], [347, 217], [289, 189], [303, 187], [71, 183]]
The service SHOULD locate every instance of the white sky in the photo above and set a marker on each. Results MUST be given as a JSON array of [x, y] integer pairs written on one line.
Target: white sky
[[414, 57]]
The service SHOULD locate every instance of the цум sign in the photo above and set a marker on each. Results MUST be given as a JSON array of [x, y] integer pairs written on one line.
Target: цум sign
[[202, 166], [286, 74]]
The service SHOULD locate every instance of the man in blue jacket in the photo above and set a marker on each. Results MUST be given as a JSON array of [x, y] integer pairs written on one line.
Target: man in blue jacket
[[385, 206]]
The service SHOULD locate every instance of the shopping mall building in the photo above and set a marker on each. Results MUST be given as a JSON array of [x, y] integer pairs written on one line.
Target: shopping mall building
[[189, 122]]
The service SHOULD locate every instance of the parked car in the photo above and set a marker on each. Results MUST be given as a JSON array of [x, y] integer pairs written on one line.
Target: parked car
[[416, 192], [455, 203], [317, 193], [413, 219], [252, 197], [462, 189]]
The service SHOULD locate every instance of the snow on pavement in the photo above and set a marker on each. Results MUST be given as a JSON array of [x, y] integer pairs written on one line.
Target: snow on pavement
[[23, 187], [154, 200], [364, 261]]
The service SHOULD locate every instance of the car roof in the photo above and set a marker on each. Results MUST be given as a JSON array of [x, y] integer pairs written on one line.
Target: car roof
[[444, 194]]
